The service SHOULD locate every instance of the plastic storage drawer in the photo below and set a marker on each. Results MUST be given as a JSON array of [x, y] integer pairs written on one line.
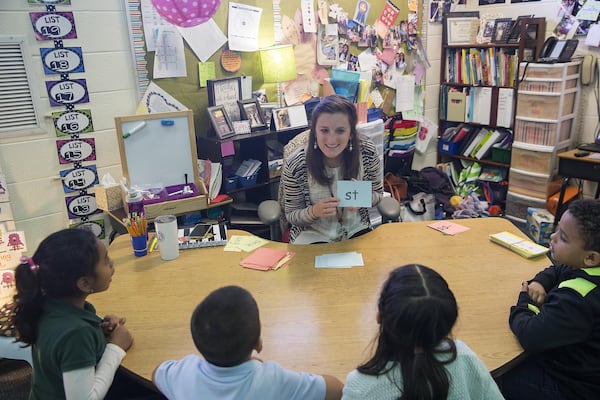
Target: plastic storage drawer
[[547, 71], [539, 186], [532, 158], [547, 86], [542, 133], [516, 205], [545, 106]]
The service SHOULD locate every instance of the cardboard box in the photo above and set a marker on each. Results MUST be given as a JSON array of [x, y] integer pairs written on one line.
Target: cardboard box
[[109, 198], [540, 225]]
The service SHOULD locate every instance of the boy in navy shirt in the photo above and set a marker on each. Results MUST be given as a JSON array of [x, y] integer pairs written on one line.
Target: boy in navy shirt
[[557, 315]]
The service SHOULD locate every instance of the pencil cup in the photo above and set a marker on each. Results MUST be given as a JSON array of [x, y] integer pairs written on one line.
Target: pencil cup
[[140, 245], [166, 231]]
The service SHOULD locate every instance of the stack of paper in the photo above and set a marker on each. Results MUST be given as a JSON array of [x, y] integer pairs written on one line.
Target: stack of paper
[[265, 259], [523, 247]]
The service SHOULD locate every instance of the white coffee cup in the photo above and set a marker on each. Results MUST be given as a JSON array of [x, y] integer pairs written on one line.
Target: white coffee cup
[[166, 231]]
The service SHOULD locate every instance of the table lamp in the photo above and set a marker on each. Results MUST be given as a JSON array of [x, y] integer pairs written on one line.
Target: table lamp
[[278, 65]]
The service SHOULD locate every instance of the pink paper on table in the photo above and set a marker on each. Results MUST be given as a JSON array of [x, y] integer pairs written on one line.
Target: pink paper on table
[[265, 259], [447, 227]]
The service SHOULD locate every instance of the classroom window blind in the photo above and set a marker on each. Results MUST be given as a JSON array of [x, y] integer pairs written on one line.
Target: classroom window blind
[[17, 108]]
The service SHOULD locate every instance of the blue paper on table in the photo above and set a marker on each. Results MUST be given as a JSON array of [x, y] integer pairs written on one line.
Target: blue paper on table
[[354, 193]]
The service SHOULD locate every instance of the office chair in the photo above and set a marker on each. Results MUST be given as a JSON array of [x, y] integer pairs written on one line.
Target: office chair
[[270, 211]]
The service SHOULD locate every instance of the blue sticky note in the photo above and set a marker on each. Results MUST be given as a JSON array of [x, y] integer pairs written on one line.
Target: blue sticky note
[[354, 193]]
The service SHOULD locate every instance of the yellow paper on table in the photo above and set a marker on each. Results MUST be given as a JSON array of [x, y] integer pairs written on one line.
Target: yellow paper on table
[[524, 247]]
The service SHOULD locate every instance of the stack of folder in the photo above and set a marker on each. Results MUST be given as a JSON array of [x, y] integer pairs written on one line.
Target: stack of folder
[[265, 259], [523, 247]]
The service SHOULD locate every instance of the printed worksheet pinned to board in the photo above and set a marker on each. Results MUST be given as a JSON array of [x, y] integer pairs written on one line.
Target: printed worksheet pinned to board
[[593, 36]]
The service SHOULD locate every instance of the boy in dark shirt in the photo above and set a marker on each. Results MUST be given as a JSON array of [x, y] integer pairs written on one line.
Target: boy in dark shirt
[[557, 315]]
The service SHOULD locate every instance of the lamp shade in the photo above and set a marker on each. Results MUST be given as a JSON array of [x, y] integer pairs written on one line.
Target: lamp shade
[[186, 13], [278, 64]]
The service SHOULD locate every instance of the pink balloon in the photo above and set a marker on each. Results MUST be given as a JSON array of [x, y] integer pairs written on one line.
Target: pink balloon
[[186, 12]]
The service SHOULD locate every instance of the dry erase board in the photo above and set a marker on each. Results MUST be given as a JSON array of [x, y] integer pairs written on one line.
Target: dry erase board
[[158, 149]]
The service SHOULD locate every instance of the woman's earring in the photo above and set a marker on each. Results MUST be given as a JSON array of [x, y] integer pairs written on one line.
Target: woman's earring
[[315, 145], [350, 148]]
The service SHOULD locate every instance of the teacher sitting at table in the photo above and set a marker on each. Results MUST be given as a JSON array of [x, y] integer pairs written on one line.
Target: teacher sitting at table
[[335, 151]]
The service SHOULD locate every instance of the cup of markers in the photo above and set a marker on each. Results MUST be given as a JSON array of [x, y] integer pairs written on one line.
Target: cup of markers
[[137, 227]]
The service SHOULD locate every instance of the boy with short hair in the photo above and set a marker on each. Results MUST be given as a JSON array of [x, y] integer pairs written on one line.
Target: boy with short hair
[[226, 329], [557, 315]]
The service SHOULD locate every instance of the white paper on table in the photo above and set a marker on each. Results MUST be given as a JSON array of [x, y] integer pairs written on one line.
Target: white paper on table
[[204, 39], [169, 59], [405, 92], [244, 22], [339, 260]]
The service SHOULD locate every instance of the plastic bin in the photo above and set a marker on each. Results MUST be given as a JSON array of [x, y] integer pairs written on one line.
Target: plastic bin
[[531, 158], [516, 205], [538, 186]]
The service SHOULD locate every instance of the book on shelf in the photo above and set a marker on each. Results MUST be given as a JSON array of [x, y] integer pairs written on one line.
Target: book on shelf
[[485, 148], [492, 174], [523, 247], [473, 142]]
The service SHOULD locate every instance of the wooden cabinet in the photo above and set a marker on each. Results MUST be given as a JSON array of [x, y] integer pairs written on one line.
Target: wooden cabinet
[[546, 116], [478, 98]]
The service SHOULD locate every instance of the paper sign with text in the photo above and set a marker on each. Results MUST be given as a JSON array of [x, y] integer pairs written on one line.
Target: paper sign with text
[[354, 193]]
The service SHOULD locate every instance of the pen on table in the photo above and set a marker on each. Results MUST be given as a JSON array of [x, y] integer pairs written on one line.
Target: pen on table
[[135, 129]]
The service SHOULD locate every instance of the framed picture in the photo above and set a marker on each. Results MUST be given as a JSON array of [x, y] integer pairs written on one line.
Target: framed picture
[[220, 121], [486, 27], [501, 30], [515, 29], [251, 111], [226, 92], [461, 27], [290, 118]]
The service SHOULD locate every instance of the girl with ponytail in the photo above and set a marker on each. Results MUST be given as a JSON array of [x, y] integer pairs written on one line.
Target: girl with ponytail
[[414, 357]]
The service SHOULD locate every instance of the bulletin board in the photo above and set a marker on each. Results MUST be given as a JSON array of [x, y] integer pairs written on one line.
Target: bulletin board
[[160, 150], [187, 90]]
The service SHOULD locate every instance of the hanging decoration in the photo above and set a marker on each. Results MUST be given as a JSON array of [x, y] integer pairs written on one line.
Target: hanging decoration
[[186, 13]]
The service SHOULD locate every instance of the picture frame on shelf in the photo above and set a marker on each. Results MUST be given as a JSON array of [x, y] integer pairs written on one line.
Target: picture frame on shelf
[[292, 117], [250, 110], [515, 29], [501, 30], [267, 110], [486, 28], [461, 27], [220, 121], [226, 92]]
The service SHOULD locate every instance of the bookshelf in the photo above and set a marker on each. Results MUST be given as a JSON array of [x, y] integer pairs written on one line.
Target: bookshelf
[[478, 93]]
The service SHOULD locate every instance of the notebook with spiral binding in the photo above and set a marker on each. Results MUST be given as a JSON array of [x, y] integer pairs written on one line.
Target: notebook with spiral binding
[[202, 235]]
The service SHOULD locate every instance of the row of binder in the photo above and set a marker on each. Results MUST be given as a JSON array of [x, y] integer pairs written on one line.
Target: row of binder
[[474, 104]]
